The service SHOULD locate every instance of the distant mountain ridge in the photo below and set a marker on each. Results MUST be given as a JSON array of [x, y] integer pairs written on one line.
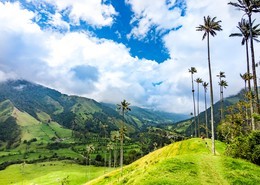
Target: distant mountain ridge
[[24, 103]]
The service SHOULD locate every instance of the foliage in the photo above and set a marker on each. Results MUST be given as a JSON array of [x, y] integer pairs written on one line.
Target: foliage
[[246, 147], [9, 130], [236, 131]]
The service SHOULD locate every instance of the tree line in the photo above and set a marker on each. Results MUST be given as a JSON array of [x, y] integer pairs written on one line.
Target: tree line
[[242, 119]]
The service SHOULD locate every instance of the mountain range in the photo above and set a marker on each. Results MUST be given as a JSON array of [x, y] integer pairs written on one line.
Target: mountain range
[[26, 108]]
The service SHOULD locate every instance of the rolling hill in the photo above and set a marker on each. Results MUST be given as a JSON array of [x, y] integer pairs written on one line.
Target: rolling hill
[[184, 162], [28, 109], [39, 124]]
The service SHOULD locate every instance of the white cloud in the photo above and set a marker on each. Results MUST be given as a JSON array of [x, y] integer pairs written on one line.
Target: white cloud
[[186, 45], [94, 12], [152, 13], [49, 58]]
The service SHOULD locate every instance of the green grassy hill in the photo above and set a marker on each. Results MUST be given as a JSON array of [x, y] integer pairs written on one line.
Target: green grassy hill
[[185, 162], [49, 173]]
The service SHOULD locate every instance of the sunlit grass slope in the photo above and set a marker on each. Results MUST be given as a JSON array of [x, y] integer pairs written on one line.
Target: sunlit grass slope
[[33, 128], [49, 173], [185, 162]]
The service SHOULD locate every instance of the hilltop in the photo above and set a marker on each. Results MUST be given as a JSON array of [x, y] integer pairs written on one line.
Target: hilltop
[[185, 162]]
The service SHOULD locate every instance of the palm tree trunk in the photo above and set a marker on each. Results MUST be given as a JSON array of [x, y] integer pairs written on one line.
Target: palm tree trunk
[[253, 69], [222, 102], [194, 106], [249, 88], [220, 90], [115, 156], [110, 156], [121, 152], [198, 109], [211, 100], [121, 145], [206, 115]]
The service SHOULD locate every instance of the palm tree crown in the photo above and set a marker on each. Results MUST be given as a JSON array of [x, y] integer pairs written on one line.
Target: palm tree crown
[[123, 107], [244, 28], [221, 75], [205, 85], [248, 6], [223, 83], [198, 80], [210, 26], [192, 70]]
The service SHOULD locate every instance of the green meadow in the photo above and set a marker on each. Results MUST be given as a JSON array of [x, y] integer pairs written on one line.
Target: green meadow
[[50, 173]]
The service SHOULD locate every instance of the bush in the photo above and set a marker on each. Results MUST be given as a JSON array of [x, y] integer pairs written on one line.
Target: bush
[[246, 147], [254, 147]]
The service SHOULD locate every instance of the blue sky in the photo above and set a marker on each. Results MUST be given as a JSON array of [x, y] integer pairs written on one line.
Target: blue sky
[[150, 47], [110, 50]]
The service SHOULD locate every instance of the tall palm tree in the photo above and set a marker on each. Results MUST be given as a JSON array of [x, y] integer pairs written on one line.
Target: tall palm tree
[[244, 28], [205, 85], [221, 75], [123, 107], [223, 84], [198, 81], [210, 27], [249, 7], [193, 70]]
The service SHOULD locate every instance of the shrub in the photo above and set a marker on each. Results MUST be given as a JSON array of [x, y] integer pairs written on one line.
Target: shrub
[[246, 147]]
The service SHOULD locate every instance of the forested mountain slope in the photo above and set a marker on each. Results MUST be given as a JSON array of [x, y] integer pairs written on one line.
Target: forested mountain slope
[[26, 105]]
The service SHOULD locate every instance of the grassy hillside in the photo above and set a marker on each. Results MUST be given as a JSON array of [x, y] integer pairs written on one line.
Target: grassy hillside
[[185, 162], [31, 105], [49, 173]]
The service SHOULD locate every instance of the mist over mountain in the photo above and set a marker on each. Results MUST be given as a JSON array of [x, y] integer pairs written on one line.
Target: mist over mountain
[[71, 112]]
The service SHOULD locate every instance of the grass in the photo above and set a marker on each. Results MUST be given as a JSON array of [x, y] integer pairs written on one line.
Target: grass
[[32, 128], [49, 173], [188, 162]]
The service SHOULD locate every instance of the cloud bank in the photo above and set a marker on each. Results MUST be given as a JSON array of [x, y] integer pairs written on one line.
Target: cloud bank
[[79, 63]]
